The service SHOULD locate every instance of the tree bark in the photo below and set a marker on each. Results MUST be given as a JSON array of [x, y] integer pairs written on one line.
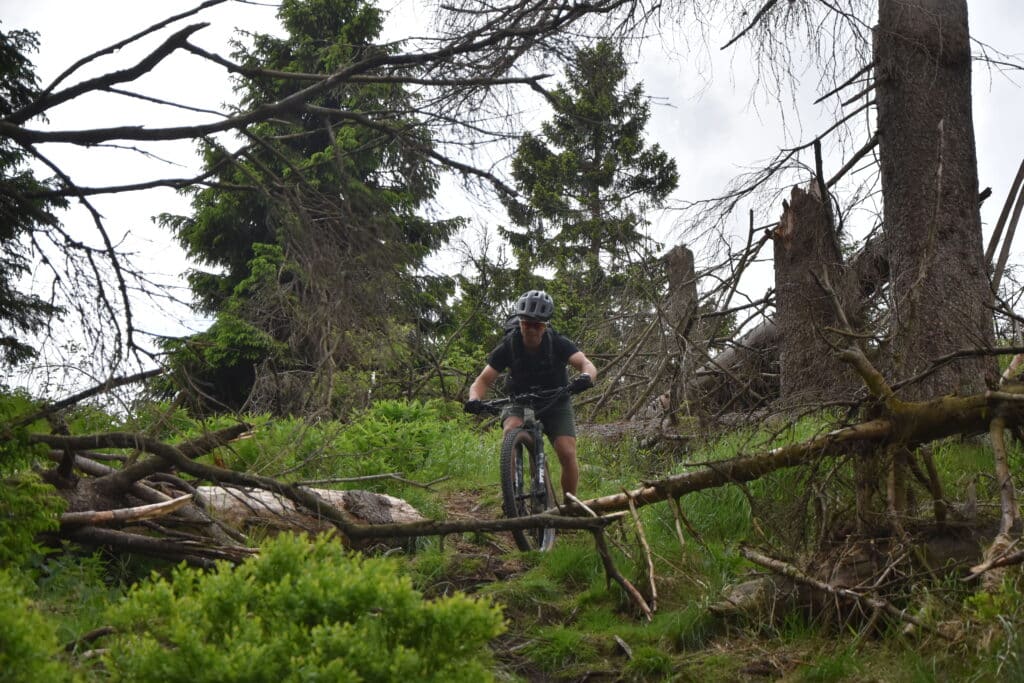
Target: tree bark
[[807, 253], [940, 290]]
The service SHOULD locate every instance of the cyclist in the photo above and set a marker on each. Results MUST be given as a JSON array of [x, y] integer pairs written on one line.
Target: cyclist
[[535, 356]]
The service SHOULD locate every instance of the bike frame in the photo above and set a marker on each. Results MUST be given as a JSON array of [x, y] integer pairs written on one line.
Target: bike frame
[[535, 428], [530, 435]]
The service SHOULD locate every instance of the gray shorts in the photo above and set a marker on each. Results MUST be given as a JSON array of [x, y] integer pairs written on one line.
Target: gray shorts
[[559, 419]]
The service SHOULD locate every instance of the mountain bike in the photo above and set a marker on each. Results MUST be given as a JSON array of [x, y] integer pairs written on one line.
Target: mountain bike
[[525, 480]]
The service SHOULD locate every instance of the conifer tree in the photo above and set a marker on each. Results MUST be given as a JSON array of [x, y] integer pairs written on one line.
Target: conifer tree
[[328, 206], [588, 180]]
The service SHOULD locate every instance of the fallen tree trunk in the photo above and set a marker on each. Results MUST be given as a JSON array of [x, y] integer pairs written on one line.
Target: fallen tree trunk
[[908, 423], [245, 508]]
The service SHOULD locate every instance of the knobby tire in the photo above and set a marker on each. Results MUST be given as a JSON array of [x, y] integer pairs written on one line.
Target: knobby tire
[[518, 471]]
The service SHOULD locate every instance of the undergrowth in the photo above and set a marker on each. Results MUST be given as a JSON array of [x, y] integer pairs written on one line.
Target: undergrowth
[[565, 620]]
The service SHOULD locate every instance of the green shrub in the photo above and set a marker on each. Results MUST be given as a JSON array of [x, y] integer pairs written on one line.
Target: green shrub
[[27, 507], [74, 590], [411, 437], [28, 646], [16, 453], [398, 435], [302, 610]]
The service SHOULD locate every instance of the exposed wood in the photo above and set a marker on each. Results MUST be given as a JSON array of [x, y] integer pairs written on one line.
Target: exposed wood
[[642, 537], [123, 515], [248, 507]]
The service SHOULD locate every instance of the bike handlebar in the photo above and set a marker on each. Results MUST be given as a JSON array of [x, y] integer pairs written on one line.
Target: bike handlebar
[[530, 398]]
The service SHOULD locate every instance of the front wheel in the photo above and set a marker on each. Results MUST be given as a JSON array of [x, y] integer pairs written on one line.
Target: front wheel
[[525, 489]]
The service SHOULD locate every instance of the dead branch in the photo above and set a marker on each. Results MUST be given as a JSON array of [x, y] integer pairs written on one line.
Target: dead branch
[[613, 574], [753, 22], [1003, 559], [860, 72], [396, 476], [89, 637], [1007, 495], [201, 554], [195, 448], [100, 388], [870, 601], [647, 553], [591, 513], [124, 515], [997, 234], [745, 468]]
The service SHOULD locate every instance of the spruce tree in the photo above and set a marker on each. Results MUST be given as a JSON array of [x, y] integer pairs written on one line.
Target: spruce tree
[[298, 232], [587, 181]]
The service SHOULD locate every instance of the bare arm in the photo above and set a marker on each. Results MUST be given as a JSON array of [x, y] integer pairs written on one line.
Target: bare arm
[[478, 389], [582, 364]]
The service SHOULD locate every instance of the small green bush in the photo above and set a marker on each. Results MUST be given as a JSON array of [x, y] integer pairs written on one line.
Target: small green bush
[[27, 507], [301, 611], [16, 453], [400, 436], [28, 646]]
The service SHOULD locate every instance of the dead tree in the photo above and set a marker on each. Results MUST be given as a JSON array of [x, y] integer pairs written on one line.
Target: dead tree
[[941, 299], [807, 260]]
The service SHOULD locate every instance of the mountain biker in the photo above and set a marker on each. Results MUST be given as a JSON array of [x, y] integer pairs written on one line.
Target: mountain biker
[[535, 356]]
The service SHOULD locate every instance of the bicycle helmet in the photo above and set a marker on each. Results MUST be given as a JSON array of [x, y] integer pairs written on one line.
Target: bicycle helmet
[[535, 304]]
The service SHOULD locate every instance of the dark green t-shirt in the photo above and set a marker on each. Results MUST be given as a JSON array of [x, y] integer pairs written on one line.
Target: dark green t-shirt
[[543, 369]]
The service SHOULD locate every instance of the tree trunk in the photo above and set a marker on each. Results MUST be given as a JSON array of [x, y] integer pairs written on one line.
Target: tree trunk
[[940, 289], [688, 338], [807, 256]]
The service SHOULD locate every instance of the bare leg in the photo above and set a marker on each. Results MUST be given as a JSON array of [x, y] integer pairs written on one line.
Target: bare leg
[[565, 447]]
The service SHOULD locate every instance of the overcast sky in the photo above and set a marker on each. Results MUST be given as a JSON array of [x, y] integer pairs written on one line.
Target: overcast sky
[[703, 114]]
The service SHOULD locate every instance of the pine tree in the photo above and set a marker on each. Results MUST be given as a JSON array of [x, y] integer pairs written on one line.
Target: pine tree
[[22, 211], [332, 207], [588, 180]]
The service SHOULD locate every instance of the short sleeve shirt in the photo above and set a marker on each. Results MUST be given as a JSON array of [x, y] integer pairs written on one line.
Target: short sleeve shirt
[[534, 371]]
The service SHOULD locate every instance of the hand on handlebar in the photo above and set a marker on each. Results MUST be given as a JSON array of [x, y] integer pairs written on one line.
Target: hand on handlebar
[[474, 406], [581, 383]]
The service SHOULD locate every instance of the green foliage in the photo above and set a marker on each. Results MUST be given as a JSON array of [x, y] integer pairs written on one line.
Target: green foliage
[[426, 439], [399, 435], [22, 210], [16, 453], [302, 610], [164, 420], [589, 180], [75, 589], [573, 565], [835, 667], [28, 645], [590, 176], [27, 507], [299, 254]]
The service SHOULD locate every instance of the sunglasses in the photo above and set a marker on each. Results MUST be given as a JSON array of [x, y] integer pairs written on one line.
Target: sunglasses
[[532, 324]]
